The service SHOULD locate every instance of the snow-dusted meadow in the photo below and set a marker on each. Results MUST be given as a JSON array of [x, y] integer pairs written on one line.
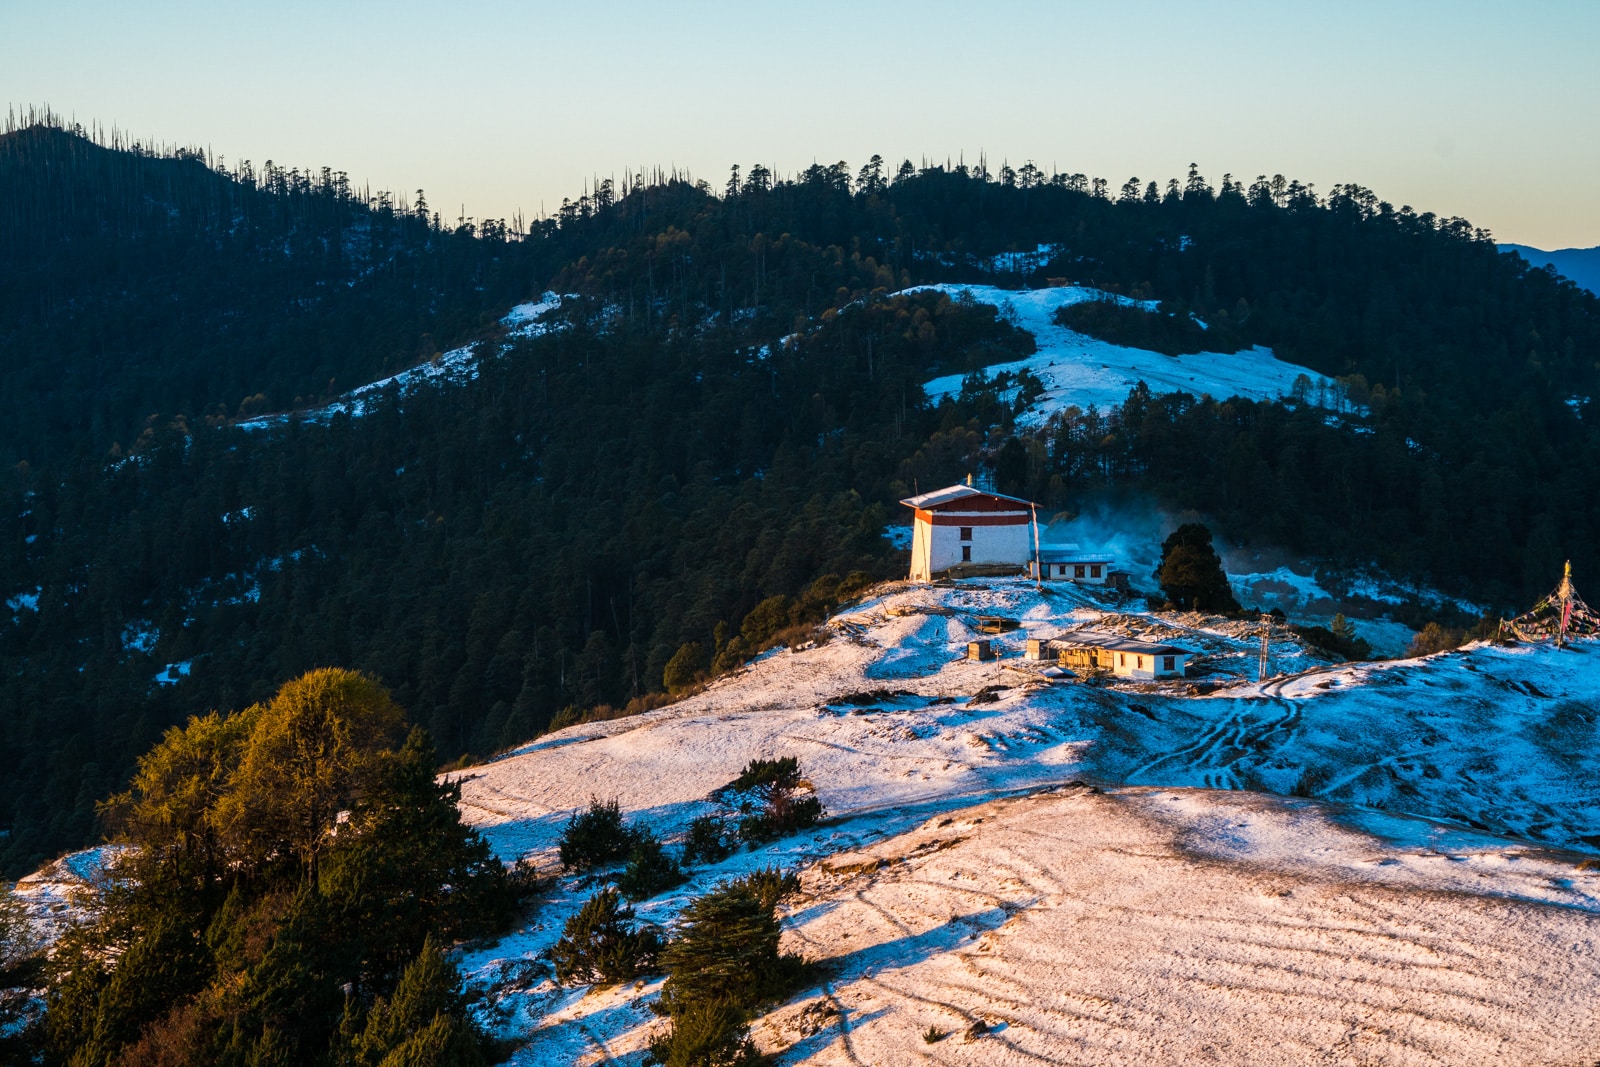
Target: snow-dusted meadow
[[1427, 911], [1080, 371]]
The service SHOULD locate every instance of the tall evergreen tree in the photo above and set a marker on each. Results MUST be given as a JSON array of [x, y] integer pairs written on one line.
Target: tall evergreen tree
[[1190, 572]]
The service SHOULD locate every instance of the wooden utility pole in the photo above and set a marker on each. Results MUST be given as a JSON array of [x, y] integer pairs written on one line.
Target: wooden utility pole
[[1264, 663]]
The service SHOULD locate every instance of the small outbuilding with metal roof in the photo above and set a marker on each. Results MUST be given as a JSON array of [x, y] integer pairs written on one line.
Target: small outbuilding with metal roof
[[1122, 656], [1069, 563]]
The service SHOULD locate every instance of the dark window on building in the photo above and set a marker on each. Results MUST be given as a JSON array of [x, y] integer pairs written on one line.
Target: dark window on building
[[1077, 571], [1169, 663], [1061, 569], [966, 553], [1094, 572], [966, 533]]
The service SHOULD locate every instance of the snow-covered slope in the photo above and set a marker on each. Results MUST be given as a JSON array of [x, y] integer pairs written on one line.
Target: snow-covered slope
[[1079, 370], [882, 717], [53, 895], [1075, 369], [1363, 918], [1142, 927], [452, 367]]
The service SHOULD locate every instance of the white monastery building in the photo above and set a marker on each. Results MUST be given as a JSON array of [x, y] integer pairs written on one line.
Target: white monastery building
[[964, 525]]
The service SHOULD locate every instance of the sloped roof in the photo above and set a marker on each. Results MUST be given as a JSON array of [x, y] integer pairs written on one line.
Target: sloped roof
[[953, 493], [1072, 554], [1117, 643]]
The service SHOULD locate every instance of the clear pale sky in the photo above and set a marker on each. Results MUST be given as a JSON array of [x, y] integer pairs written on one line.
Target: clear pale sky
[[1486, 110]]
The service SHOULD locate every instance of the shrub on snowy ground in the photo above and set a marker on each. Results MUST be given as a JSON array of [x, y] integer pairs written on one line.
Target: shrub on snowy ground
[[1339, 638], [727, 946], [650, 870], [686, 668], [522, 880], [723, 963], [602, 944], [596, 836], [1435, 638], [774, 785], [712, 1034], [783, 814], [710, 840], [765, 772]]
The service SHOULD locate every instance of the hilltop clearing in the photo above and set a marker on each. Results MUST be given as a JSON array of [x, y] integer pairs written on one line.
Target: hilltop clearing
[[722, 411], [889, 714], [1078, 370], [899, 735]]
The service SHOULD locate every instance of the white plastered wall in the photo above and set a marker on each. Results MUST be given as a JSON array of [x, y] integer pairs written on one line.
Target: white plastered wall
[[990, 544], [921, 551]]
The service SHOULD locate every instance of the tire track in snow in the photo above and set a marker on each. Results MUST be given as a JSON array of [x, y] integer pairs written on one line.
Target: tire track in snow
[[1282, 958], [1240, 732]]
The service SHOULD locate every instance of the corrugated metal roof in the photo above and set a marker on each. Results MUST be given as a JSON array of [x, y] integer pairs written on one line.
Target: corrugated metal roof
[[1072, 554], [953, 493], [1118, 643]]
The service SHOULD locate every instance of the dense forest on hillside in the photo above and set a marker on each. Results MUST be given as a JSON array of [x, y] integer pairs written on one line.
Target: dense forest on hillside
[[703, 444]]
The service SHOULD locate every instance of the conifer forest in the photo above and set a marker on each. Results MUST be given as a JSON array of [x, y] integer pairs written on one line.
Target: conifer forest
[[699, 454]]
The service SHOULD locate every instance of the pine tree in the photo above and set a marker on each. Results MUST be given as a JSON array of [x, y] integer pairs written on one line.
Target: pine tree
[[1190, 572], [19, 975], [686, 667], [727, 946], [423, 1024], [650, 870], [595, 836], [405, 867], [602, 944], [707, 1034]]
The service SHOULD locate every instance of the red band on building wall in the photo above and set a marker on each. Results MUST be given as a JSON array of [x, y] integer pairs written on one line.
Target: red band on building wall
[[936, 518]]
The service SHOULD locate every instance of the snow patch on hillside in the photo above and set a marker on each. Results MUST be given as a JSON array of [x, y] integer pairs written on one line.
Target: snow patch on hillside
[[1080, 371], [27, 600], [1405, 735], [173, 673], [54, 896], [140, 635], [455, 367]]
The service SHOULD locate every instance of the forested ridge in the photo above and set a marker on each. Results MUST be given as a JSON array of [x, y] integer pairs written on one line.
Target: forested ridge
[[722, 413]]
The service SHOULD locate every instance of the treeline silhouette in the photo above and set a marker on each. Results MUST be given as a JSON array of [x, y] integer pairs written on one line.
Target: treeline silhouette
[[724, 413]]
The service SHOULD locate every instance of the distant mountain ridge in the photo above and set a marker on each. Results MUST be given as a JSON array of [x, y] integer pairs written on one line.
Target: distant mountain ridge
[[1581, 265]]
